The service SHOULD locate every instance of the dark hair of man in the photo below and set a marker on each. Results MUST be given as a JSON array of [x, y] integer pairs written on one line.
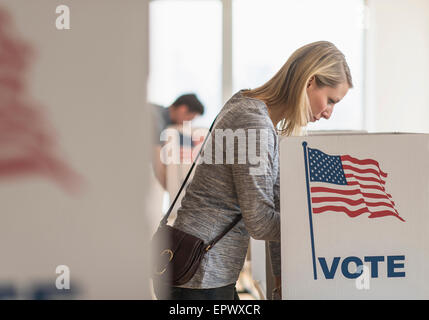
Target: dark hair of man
[[191, 101]]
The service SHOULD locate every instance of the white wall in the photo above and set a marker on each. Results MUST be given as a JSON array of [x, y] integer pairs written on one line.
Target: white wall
[[91, 83], [398, 66]]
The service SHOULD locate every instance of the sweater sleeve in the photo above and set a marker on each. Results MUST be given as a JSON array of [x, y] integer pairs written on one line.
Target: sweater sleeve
[[254, 181]]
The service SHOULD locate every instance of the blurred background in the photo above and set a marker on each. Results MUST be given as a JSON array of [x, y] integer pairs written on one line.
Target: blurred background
[[77, 185]]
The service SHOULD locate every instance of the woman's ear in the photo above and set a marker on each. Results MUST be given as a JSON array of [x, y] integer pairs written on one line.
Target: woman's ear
[[310, 82]]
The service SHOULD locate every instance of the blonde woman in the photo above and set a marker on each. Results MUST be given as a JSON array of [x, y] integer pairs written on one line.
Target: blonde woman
[[308, 86]]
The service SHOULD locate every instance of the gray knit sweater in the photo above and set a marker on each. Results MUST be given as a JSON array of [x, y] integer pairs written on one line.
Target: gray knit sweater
[[219, 192]]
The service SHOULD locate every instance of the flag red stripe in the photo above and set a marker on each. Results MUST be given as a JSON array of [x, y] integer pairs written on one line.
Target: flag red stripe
[[350, 201], [380, 214], [351, 175], [352, 192], [362, 170], [356, 213], [347, 192], [367, 186], [363, 162]]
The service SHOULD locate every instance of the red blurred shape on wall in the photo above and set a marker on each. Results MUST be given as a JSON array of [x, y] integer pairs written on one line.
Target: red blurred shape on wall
[[27, 141]]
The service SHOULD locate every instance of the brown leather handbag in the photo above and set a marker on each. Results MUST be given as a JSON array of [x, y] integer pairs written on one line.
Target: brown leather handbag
[[177, 254]]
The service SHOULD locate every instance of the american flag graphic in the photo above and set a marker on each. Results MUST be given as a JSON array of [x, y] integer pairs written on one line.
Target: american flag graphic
[[349, 185]]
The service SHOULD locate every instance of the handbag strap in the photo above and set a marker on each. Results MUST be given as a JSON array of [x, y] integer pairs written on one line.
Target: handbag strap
[[231, 225], [165, 218]]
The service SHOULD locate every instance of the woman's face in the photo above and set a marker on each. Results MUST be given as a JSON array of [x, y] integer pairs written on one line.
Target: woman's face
[[323, 99]]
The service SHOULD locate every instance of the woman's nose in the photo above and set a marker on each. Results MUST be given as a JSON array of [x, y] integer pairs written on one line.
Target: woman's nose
[[328, 112]]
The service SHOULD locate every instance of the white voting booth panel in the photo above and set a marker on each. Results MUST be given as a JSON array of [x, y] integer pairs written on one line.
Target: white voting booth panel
[[258, 266], [355, 216]]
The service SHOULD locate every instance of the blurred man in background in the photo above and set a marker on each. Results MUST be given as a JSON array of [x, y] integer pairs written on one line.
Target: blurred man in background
[[184, 108]]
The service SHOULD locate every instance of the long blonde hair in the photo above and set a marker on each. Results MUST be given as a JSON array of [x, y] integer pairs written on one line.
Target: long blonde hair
[[287, 89]]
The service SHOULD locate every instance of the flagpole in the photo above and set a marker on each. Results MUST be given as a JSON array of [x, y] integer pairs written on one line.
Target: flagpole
[[310, 216]]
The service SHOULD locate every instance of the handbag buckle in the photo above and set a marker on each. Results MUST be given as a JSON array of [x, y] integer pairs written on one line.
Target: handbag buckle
[[166, 251]]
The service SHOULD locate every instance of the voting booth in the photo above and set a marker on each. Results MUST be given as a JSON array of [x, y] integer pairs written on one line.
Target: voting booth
[[355, 216]]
